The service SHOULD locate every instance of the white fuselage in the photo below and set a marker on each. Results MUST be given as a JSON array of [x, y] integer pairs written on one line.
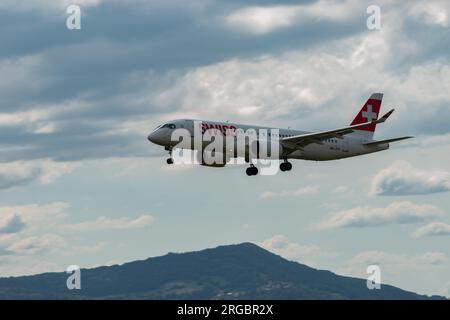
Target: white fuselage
[[328, 149]]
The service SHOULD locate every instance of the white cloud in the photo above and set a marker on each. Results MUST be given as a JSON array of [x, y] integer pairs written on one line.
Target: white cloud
[[432, 12], [433, 229], [401, 179], [52, 217], [36, 216], [44, 244], [262, 20], [39, 230], [396, 213], [45, 128], [17, 173], [105, 223], [26, 265], [308, 254], [30, 229], [34, 237], [37, 244], [13, 174], [295, 86], [12, 119], [299, 192], [51, 170]]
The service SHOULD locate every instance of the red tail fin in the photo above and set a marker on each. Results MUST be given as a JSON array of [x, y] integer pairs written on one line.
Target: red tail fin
[[369, 112]]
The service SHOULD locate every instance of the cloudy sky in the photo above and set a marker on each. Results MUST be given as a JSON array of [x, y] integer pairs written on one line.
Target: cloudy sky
[[80, 184]]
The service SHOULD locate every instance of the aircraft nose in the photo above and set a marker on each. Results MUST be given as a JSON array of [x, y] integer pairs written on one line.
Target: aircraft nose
[[157, 137], [151, 137]]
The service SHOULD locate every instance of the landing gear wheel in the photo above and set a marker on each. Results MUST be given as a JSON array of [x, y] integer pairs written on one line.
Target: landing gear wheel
[[288, 166], [251, 171], [285, 166], [170, 161]]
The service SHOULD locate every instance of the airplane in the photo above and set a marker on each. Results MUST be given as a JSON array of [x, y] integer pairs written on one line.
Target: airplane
[[353, 140]]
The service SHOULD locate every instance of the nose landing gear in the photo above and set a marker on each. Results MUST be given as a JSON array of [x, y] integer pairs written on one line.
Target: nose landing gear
[[170, 159]]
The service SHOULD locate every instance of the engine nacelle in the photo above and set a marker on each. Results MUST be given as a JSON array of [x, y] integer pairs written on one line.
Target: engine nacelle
[[260, 150], [212, 159]]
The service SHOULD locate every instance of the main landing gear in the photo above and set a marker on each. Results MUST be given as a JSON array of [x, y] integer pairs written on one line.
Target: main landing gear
[[170, 159], [252, 170], [285, 166]]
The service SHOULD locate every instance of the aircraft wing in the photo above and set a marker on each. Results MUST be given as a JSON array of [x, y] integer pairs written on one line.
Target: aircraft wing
[[303, 140]]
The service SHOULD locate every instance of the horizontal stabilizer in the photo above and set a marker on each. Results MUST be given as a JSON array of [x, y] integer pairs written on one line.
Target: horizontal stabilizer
[[375, 143], [384, 118]]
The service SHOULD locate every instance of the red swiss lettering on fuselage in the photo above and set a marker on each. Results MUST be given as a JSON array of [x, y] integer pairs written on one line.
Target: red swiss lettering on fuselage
[[215, 129]]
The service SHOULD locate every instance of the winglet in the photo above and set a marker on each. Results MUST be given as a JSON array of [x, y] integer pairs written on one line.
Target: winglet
[[384, 118]]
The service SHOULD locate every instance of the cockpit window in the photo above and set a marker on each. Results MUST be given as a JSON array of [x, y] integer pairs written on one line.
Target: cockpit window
[[169, 125]]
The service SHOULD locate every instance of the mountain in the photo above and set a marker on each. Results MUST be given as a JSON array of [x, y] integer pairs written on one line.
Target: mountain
[[243, 271]]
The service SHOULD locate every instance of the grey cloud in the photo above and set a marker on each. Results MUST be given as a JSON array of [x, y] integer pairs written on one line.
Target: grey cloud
[[434, 41], [118, 38], [12, 224], [18, 177], [125, 55]]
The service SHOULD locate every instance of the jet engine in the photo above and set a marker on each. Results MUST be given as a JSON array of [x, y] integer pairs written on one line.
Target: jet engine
[[212, 159]]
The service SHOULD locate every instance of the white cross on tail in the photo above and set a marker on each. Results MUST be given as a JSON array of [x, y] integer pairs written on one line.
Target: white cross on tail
[[369, 115]]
